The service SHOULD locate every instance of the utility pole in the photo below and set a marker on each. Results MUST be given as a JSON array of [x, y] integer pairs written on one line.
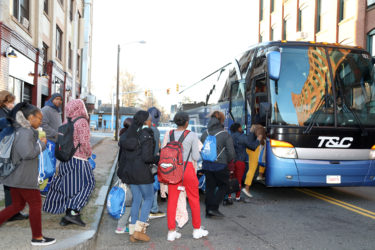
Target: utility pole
[[117, 91]]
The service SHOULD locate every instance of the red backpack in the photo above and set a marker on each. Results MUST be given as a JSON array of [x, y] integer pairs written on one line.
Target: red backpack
[[171, 164]]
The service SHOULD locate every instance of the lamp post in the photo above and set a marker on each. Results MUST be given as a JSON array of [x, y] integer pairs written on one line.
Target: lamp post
[[118, 86]]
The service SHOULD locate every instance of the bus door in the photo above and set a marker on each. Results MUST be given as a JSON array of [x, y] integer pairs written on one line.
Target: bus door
[[237, 102]]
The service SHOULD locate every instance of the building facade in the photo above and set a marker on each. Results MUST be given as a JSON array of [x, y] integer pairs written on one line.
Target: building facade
[[349, 22], [47, 37]]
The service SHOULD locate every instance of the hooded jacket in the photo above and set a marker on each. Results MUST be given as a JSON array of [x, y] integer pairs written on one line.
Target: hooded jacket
[[137, 152], [51, 118], [241, 142], [74, 109], [24, 155], [222, 140]]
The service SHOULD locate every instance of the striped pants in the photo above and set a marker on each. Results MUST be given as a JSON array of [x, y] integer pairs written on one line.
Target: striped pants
[[71, 188]]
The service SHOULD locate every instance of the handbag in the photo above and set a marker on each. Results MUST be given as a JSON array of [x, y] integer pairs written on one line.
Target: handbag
[[46, 167], [233, 186]]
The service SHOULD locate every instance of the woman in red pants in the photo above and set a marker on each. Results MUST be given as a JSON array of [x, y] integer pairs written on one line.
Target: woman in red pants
[[190, 180], [241, 142]]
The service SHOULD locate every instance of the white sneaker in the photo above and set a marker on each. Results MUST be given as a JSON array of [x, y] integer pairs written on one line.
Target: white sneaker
[[247, 193], [199, 233], [121, 230], [172, 235]]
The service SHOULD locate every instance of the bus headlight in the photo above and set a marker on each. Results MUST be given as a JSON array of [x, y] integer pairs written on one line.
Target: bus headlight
[[372, 155], [283, 149]]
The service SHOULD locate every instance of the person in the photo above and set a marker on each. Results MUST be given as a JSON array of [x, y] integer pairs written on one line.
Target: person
[[6, 105], [260, 134], [217, 173], [122, 224], [190, 181], [50, 124], [66, 194], [155, 118], [137, 155], [241, 142], [23, 181]]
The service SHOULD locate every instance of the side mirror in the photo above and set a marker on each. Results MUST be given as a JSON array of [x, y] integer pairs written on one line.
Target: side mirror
[[264, 111], [373, 60], [274, 65]]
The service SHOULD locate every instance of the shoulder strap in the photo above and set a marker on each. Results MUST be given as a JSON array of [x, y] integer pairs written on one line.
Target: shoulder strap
[[219, 132], [171, 135], [80, 117], [183, 136]]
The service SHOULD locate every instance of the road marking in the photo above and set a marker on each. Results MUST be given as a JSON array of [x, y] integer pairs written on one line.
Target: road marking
[[342, 204]]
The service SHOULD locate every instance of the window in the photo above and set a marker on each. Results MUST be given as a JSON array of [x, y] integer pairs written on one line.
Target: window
[[272, 34], [261, 38], [71, 10], [70, 56], [345, 9], [59, 40], [370, 3], [45, 6], [261, 11], [78, 64], [61, 2], [371, 42], [318, 15], [285, 27], [45, 57], [299, 24], [21, 11], [272, 6]]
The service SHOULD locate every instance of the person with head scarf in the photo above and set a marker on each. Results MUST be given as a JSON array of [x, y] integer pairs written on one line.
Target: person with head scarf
[[155, 118], [137, 147], [71, 187]]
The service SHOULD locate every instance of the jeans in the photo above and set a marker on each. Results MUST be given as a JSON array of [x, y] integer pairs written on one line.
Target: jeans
[[155, 207], [141, 192]]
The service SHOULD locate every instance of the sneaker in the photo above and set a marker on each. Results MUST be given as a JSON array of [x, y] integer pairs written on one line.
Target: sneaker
[[156, 215], [43, 193], [260, 178], [199, 233], [121, 230], [247, 193], [43, 242], [75, 219], [243, 199], [172, 235]]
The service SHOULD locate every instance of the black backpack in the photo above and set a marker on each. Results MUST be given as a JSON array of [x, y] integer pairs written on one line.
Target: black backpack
[[64, 149]]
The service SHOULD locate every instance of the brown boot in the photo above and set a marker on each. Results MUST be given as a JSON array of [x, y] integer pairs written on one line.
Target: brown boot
[[140, 231], [131, 232]]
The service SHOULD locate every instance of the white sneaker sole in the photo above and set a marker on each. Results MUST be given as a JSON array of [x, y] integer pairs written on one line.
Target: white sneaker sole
[[177, 237], [43, 243]]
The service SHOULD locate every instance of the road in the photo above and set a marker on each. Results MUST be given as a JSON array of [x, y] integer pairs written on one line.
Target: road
[[276, 218], [96, 137]]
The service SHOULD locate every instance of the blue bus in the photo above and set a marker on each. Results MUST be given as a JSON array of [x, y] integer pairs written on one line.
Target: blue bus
[[316, 101]]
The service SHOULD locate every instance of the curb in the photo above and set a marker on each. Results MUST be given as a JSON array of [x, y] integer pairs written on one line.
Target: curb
[[86, 240]]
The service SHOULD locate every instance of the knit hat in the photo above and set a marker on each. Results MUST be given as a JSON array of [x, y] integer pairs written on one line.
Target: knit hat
[[155, 115], [181, 118]]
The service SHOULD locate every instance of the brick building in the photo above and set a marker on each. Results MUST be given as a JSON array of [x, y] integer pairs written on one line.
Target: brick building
[[349, 22], [48, 38]]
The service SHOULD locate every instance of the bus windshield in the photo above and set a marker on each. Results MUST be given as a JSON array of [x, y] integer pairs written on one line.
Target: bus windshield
[[305, 95]]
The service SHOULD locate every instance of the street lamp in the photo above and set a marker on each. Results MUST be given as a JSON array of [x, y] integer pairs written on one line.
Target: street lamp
[[118, 85]]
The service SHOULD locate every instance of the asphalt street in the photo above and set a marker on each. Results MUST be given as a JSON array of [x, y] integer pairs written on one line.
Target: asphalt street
[[276, 218]]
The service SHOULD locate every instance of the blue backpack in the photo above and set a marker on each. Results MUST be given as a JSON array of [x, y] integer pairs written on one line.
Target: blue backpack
[[209, 149], [7, 136]]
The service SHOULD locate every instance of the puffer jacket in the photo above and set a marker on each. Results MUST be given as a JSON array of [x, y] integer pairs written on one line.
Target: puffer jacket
[[222, 140], [241, 142], [25, 156], [136, 157]]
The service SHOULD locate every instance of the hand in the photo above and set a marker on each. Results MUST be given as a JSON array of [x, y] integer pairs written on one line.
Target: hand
[[44, 140]]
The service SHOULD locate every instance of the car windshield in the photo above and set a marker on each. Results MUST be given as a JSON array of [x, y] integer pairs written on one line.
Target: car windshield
[[305, 94]]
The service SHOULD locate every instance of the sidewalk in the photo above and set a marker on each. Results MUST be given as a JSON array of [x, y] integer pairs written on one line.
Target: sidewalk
[[17, 235]]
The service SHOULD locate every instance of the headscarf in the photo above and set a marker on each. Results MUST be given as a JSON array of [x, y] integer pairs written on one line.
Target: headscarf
[[50, 101], [76, 108]]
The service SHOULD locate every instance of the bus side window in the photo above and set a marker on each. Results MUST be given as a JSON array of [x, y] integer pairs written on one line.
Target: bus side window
[[260, 95]]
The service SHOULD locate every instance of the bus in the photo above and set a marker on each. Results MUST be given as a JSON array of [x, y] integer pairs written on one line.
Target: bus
[[316, 101]]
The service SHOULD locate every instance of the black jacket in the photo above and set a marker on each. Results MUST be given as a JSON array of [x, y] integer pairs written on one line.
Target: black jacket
[[136, 157], [222, 140]]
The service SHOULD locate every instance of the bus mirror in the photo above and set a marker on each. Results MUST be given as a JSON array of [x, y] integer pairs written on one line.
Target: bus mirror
[[373, 60], [264, 110], [274, 65]]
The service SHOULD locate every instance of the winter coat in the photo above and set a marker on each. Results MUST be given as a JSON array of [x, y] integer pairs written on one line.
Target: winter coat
[[136, 157], [241, 142], [222, 140], [4, 112], [25, 156], [51, 122], [74, 109]]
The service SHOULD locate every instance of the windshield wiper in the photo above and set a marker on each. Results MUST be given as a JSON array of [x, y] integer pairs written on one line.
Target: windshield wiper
[[316, 114], [360, 125]]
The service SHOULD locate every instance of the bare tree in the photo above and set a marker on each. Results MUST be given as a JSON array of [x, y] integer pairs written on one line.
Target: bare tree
[[129, 90]]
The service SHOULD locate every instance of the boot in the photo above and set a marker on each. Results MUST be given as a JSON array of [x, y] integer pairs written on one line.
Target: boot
[[140, 231], [131, 232]]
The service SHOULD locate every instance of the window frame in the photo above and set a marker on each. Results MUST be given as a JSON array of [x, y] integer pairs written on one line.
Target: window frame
[[46, 7], [17, 13], [59, 41]]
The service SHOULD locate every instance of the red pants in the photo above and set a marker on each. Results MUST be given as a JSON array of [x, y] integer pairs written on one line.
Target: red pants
[[19, 198], [239, 170], [192, 191]]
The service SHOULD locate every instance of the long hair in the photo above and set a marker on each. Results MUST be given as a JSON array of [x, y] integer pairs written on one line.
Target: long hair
[[127, 122], [5, 97], [218, 115]]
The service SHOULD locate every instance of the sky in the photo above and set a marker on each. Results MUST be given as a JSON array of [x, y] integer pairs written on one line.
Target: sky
[[185, 41]]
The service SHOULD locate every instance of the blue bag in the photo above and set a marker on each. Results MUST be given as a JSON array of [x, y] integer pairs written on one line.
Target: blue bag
[[92, 162], [156, 183], [209, 149], [116, 201], [262, 158], [46, 166], [202, 183]]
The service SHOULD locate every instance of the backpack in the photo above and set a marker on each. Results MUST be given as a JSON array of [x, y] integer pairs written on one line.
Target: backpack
[[171, 164], [64, 149], [116, 200], [6, 147], [209, 149]]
